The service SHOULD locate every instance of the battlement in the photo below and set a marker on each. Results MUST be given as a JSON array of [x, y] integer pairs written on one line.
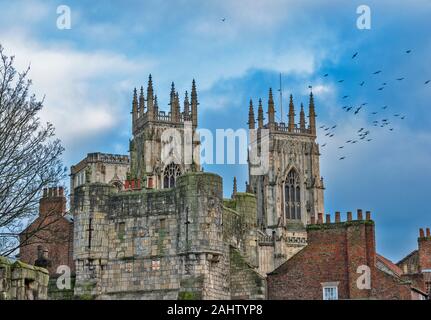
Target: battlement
[[145, 109], [290, 127], [52, 202], [53, 192], [314, 223]]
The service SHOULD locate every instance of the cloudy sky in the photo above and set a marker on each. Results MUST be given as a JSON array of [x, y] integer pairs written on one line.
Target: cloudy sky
[[87, 75]]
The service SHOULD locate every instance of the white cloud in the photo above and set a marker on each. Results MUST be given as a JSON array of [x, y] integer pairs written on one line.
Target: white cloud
[[79, 100]]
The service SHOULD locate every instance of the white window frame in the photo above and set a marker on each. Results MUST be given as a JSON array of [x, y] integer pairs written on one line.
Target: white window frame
[[330, 285]]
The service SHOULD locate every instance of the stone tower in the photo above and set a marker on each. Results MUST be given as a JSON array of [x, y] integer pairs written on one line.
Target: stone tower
[[290, 191], [164, 145]]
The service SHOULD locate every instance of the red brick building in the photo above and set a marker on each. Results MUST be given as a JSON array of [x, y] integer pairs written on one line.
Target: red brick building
[[48, 240], [340, 262], [417, 264]]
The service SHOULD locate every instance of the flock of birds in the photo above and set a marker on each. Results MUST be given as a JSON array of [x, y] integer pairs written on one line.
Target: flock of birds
[[363, 134]]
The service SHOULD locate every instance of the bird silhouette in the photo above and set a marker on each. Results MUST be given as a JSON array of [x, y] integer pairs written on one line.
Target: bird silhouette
[[223, 19], [400, 79], [340, 81], [341, 147], [384, 107], [348, 109], [354, 56], [342, 158], [323, 144], [377, 72], [362, 83], [374, 112], [364, 104], [348, 141], [357, 110], [330, 136], [333, 127], [403, 117], [360, 130], [408, 51], [369, 140], [428, 81], [391, 129], [326, 74], [384, 84], [380, 89], [345, 97], [321, 127], [396, 115]]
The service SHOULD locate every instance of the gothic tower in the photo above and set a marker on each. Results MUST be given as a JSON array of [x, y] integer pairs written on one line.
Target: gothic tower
[[290, 191], [164, 145]]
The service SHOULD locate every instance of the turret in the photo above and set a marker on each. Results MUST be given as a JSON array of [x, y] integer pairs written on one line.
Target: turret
[[235, 188], [251, 123], [291, 125]]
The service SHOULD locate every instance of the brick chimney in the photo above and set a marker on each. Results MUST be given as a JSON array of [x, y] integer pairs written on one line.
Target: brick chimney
[[352, 242], [52, 202], [424, 245]]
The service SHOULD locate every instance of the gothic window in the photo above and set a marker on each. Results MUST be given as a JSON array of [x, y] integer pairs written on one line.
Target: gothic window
[[170, 174], [292, 196]]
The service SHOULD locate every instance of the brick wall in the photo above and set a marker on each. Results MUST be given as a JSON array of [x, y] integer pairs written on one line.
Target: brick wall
[[424, 250], [50, 232]]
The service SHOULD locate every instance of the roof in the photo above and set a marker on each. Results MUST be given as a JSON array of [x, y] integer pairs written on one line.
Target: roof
[[389, 265], [408, 256]]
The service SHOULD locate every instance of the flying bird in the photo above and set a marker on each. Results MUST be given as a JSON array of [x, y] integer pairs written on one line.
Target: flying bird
[[342, 158], [403, 117], [428, 81], [326, 74], [364, 104], [377, 72], [345, 97], [339, 81], [380, 89], [361, 129], [408, 51], [374, 112], [357, 110], [384, 107], [323, 144], [369, 140], [400, 79], [341, 147], [348, 109], [362, 83], [223, 19], [333, 127], [354, 56]]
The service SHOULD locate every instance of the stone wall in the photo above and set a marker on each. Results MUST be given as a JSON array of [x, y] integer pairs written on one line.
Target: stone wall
[[151, 244], [20, 281]]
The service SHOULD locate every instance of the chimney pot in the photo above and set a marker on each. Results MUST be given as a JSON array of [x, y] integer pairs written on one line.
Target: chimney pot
[[359, 214], [328, 218], [45, 192], [337, 216], [313, 220], [61, 191], [421, 233], [349, 216], [368, 215], [428, 233], [320, 218]]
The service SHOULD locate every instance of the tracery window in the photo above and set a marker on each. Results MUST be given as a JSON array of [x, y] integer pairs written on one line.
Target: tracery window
[[292, 196], [170, 174]]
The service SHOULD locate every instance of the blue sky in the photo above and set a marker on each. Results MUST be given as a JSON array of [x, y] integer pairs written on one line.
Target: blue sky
[[88, 72]]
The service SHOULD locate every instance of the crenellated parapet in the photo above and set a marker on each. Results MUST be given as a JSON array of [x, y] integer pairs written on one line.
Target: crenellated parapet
[[145, 109], [291, 127]]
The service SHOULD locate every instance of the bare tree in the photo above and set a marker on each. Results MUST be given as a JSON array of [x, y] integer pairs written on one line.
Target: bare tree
[[30, 155]]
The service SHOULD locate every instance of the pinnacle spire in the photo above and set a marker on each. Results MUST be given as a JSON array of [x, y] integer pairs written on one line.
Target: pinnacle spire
[[235, 188], [312, 115], [186, 105], [251, 122], [302, 118], [194, 103], [141, 101], [260, 115], [271, 110], [150, 98], [291, 124]]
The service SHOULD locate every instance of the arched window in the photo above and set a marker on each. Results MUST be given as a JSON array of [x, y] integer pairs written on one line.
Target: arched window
[[170, 174], [292, 196]]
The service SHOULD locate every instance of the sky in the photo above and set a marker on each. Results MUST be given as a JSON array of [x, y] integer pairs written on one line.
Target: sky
[[87, 74]]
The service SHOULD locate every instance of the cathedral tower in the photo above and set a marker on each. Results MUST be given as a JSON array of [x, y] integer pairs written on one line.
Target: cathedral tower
[[155, 158], [290, 192]]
